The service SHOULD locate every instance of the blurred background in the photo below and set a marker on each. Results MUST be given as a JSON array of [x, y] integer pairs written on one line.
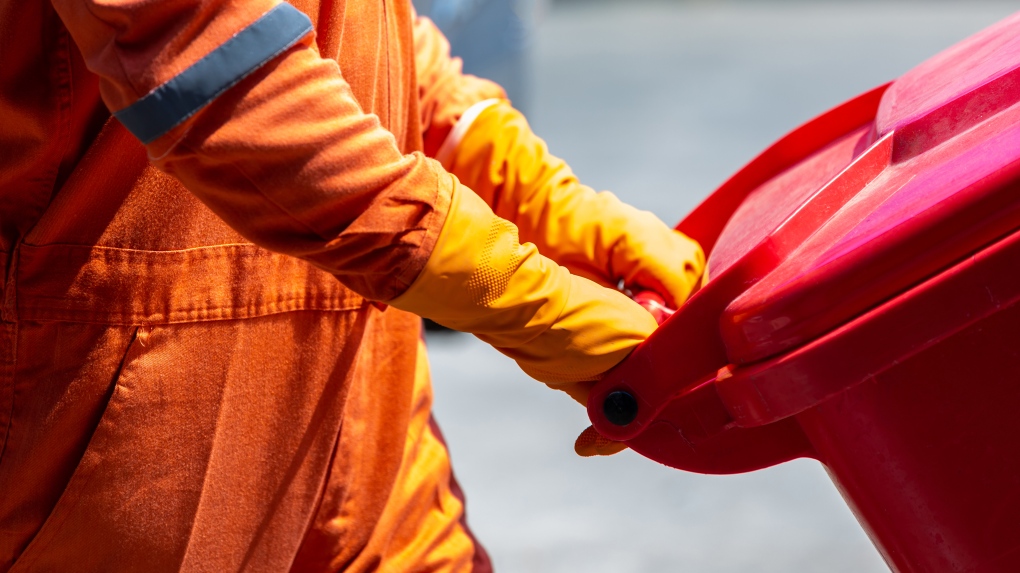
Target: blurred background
[[658, 101]]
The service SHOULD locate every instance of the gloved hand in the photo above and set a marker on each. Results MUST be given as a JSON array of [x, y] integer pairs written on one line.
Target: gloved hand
[[494, 152], [591, 442], [561, 329]]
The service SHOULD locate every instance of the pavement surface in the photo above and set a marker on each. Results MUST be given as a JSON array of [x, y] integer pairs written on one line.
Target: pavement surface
[[661, 102]]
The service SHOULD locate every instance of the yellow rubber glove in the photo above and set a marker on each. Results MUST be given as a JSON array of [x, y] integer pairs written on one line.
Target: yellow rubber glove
[[592, 443], [561, 329], [493, 151]]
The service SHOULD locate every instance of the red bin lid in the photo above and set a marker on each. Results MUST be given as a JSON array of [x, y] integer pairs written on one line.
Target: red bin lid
[[856, 226], [934, 178]]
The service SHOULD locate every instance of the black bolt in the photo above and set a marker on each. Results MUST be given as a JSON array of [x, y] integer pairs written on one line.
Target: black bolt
[[620, 408]]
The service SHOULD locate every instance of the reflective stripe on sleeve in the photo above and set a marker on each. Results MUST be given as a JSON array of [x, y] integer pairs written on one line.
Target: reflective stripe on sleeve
[[179, 98]]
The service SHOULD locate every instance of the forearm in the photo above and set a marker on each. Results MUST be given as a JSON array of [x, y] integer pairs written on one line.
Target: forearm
[[560, 328], [593, 234]]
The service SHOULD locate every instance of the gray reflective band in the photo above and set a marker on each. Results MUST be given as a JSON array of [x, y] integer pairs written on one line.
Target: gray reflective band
[[179, 98]]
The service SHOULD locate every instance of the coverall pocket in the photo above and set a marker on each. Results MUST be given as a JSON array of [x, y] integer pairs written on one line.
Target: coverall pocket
[[62, 378], [216, 436], [99, 507], [213, 446]]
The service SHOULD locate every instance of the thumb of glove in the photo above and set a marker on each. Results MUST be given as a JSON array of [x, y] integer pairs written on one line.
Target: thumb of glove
[[592, 443]]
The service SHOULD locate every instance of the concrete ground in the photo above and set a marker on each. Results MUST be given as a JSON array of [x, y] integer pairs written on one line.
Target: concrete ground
[[660, 102]]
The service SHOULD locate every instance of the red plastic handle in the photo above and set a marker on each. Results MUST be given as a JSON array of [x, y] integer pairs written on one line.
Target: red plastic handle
[[655, 304]]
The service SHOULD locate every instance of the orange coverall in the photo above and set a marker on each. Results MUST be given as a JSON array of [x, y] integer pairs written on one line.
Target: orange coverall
[[175, 397], [286, 419]]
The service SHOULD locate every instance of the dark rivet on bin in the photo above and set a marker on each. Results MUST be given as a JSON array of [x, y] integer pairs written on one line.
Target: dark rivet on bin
[[620, 408]]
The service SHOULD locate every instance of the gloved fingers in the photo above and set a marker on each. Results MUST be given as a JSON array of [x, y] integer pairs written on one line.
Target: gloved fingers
[[670, 266], [592, 443], [579, 391]]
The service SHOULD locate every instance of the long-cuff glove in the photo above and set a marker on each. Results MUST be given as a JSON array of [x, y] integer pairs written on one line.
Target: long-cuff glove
[[561, 329], [493, 151]]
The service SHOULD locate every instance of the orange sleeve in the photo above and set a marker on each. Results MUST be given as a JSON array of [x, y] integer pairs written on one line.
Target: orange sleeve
[[444, 91], [282, 152]]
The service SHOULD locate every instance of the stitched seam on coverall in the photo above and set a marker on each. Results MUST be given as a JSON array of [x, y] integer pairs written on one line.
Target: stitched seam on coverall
[[48, 178], [9, 304], [200, 314], [162, 302], [10, 364]]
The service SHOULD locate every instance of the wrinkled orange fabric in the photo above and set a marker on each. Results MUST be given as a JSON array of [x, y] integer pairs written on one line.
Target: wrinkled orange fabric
[[173, 397]]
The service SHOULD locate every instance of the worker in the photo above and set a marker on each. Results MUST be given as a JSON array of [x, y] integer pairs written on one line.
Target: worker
[[211, 343]]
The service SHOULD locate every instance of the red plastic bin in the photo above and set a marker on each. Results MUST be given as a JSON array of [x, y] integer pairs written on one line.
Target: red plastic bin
[[861, 309]]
